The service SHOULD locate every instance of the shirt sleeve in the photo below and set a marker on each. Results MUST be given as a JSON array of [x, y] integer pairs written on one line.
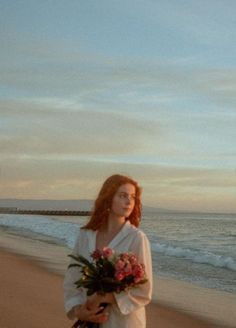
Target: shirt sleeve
[[134, 298], [72, 295]]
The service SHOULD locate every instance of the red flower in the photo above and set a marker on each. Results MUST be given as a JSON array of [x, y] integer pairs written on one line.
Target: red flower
[[119, 275], [96, 255]]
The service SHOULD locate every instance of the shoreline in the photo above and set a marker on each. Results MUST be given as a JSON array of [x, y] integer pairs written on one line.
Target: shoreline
[[22, 305], [211, 307]]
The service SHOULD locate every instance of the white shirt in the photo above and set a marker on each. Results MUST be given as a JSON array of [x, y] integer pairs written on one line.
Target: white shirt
[[129, 311]]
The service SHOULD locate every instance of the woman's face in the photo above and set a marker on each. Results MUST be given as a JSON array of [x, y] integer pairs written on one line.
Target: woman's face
[[124, 200]]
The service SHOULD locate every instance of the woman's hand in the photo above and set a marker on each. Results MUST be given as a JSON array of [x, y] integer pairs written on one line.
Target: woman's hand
[[95, 300], [86, 314]]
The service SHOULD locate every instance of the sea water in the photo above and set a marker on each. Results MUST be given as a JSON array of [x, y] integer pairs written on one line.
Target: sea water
[[197, 248]]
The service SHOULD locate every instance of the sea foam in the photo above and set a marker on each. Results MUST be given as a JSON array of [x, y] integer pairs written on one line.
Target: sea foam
[[196, 256]]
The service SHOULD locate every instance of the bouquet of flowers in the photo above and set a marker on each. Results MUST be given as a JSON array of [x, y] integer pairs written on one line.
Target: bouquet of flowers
[[107, 272]]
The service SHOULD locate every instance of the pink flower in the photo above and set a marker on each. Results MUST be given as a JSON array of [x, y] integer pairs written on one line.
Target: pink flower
[[138, 272], [124, 256], [107, 252], [133, 259], [128, 269], [119, 265]]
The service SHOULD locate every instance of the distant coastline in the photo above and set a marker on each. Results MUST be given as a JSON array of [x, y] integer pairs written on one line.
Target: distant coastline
[[76, 206]]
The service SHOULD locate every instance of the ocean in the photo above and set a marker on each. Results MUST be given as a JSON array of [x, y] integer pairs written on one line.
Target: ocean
[[196, 248]]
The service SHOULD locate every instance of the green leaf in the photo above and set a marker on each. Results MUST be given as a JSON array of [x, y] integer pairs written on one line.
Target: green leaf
[[74, 265], [74, 257], [83, 261]]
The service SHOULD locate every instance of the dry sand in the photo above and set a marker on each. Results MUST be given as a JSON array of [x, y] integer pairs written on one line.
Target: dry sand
[[32, 297]]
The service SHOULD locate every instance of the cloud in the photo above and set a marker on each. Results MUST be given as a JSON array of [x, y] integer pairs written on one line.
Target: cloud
[[37, 129], [33, 67], [218, 85], [106, 83], [163, 186], [50, 127], [79, 104], [159, 175]]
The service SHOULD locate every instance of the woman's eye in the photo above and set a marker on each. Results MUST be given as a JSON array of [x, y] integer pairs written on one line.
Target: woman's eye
[[122, 196], [126, 196]]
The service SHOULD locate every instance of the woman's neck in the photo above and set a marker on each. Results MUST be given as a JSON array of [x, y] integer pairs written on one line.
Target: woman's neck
[[114, 223]]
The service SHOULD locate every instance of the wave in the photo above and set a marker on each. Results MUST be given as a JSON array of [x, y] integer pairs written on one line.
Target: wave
[[66, 233], [63, 231], [196, 256]]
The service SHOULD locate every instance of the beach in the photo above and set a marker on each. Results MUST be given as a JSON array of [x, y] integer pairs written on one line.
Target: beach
[[32, 297], [31, 279]]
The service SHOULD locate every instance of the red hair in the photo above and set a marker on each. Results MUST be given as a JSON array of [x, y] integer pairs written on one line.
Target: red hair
[[103, 202]]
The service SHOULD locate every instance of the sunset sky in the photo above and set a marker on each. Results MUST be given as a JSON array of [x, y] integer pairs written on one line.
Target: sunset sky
[[142, 88]]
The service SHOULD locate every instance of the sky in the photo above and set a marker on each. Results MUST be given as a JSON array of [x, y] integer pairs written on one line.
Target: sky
[[141, 88]]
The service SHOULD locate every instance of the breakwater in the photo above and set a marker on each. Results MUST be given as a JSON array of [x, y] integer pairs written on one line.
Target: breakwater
[[44, 212]]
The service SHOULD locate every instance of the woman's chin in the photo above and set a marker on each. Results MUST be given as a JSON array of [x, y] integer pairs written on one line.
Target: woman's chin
[[127, 214]]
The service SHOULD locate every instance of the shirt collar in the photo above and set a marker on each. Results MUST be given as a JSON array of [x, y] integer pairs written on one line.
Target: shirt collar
[[125, 230]]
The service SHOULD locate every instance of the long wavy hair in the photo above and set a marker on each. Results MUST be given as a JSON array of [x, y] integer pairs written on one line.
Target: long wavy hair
[[104, 200]]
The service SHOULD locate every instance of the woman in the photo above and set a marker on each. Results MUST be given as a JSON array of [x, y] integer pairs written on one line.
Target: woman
[[114, 224]]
